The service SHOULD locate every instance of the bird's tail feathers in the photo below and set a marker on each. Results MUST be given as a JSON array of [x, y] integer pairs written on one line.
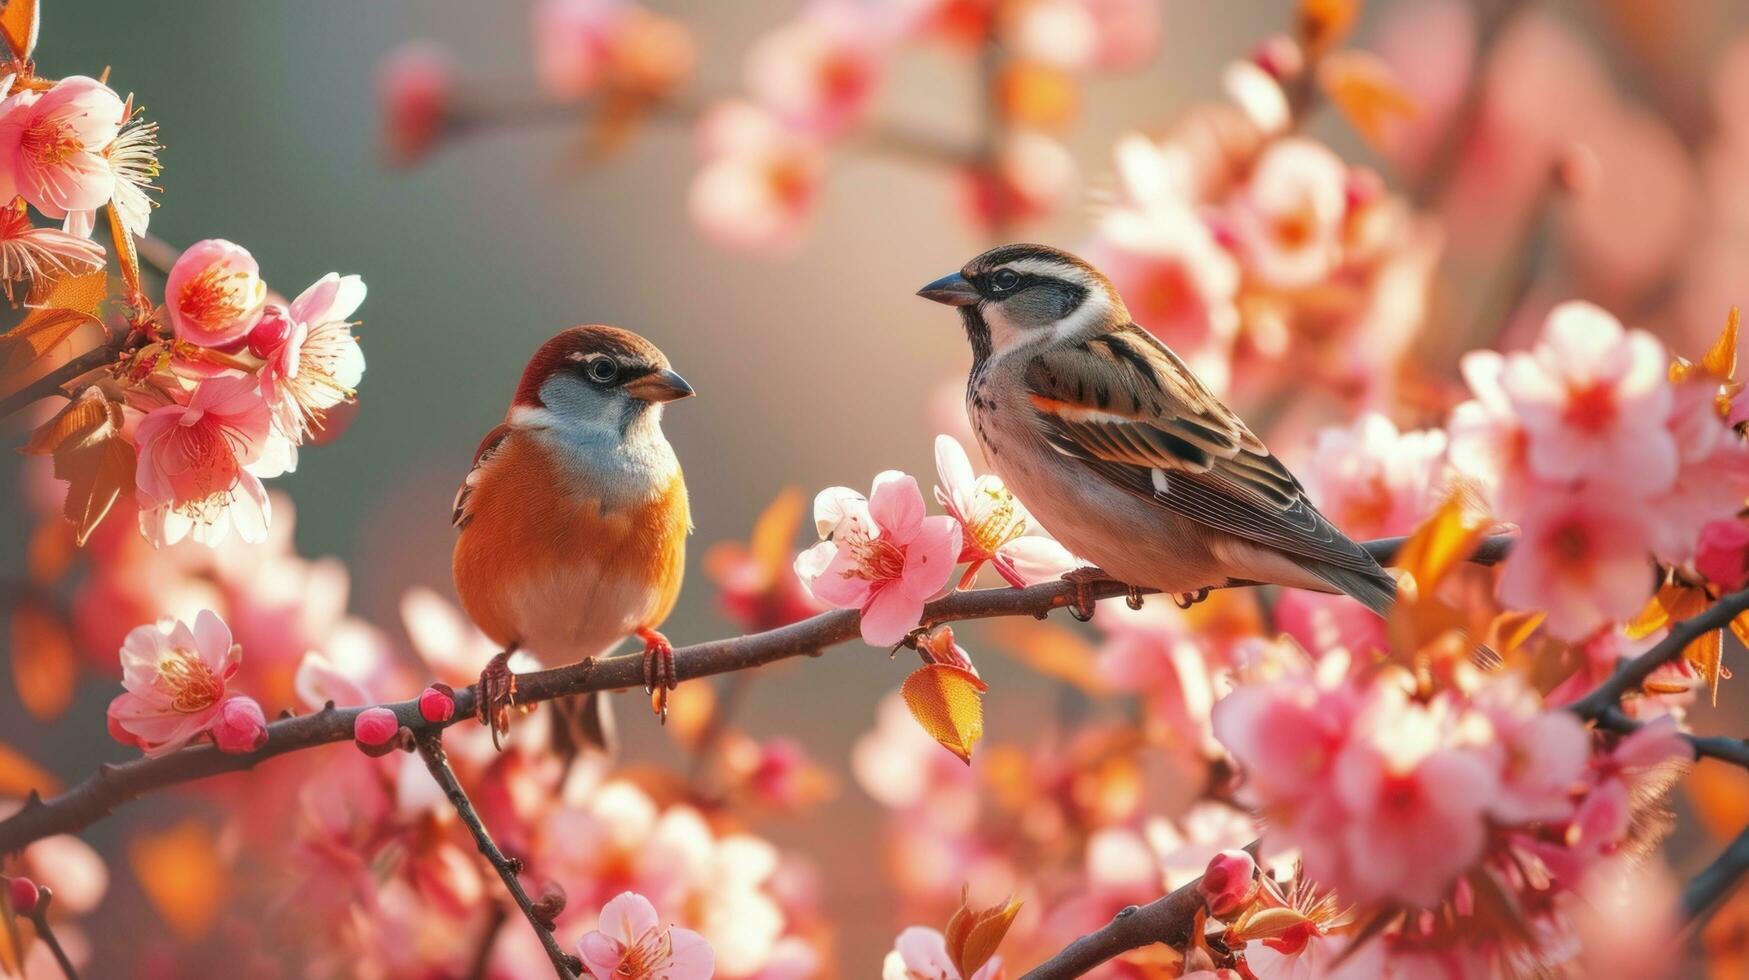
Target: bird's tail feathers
[[1373, 588]]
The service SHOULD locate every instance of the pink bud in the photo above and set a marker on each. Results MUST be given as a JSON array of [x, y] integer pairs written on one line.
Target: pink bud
[[1280, 56], [271, 333], [375, 729], [437, 703], [1228, 883], [241, 727], [24, 895], [1722, 554]]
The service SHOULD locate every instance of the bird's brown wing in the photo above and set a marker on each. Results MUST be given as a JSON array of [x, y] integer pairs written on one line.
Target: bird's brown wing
[[460, 516], [1134, 413]]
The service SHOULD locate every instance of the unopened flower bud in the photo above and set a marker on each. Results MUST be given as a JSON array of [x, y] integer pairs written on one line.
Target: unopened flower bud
[[548, 906], [1280, 56], [1229, 882], [24, 894], [437, 703], [241, 727], [375, 731], [271, 333]]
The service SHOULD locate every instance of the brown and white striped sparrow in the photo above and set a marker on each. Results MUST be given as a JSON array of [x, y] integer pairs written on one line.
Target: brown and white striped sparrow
[[1120, 452]]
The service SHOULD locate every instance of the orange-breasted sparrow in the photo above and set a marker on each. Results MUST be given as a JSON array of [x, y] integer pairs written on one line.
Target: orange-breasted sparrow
[[1120, 452], [574, 517]]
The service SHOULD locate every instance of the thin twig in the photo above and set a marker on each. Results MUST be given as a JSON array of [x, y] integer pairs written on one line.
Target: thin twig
[[431, 750], [879, 138], [1164, 920], [1167, 919], [1492, 19], [1716, 880], [39, 917], [114, 785], [50, 385], [1631, 675], [488, 939]]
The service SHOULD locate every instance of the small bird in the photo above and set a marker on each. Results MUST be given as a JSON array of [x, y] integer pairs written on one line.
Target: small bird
[[1121, 452], [573, 520]]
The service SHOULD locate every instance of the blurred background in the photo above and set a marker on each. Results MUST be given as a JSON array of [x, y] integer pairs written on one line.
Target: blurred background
[[814, 367]]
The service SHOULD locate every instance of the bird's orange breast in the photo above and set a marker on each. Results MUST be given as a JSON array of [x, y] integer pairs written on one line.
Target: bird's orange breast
[[544, 562]]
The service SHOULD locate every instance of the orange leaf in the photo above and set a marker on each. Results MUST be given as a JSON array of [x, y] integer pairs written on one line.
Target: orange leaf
[[65, 306], [1719, 362], [180, 872], [1323, 23], [19, 24], [97, 473], [986, 935], [43, 664], [1511, 630], [1367, 93], [774, 533], [1441, 543], [1656, 613], [1721, 799], [19, 775], [124, 248], [1035, 95], [84, 419], [947, 702]]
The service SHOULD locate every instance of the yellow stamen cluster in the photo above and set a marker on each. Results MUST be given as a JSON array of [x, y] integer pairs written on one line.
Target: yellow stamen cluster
[[192, 684]]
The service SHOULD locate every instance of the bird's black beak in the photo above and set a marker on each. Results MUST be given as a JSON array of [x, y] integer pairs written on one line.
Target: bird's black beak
[[952, 290], [659, 386]]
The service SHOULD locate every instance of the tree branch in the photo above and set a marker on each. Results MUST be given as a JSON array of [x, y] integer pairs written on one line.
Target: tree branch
[[50, 384], [1631, 675], [430, 746], [1164, 920], [1716, 880], [114, 785]]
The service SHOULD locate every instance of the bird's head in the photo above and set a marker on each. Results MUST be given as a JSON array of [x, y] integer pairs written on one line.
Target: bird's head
[[1026, 294], [598, 381]]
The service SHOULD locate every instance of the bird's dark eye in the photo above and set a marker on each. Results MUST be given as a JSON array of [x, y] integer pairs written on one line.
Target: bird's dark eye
[[603, 370], [1002, 280]]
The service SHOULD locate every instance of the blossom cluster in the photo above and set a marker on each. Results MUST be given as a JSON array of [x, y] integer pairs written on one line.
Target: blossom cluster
[[207, 394], [811, 84]]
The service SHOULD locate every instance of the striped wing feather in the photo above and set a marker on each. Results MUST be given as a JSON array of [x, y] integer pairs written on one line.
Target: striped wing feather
[[1138, 417]]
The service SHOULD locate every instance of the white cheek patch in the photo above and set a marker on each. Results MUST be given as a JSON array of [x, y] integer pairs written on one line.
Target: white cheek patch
[[530, 417]]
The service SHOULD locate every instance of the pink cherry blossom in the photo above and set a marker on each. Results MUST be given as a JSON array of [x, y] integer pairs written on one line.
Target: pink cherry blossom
[[31, 254], [1032, 177], [1373, 481], [1546, 753], [415, 88], [994, 526], [214, 293], [1177, 281], [1723, 553], [318, 364], [759, 182], [884, 556], [241, 727], [193, 471], [52, 145], [631, 943], [820, 70], [920, 953], [175, 678], [1594, 401], [1582, 557], [1323, 623], [1488, 443], [572, 43], [1289, 218], [1413, 802]]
